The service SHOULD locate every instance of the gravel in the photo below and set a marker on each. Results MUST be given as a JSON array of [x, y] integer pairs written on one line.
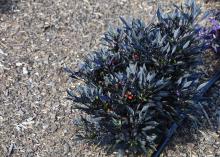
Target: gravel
[[37, 39]]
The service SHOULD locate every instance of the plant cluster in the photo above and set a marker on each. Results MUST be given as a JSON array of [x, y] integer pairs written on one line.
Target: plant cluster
[[141, 81]]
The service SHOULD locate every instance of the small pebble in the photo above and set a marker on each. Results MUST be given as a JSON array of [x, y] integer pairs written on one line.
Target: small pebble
[[53, 128], [18, 64], [66, 148], [1, 52], [25, 71]]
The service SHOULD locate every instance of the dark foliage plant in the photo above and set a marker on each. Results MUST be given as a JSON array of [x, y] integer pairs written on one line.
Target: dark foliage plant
[[141, 81]]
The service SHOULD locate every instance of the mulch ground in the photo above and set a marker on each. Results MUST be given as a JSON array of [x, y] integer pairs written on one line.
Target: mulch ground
[[40, 37]]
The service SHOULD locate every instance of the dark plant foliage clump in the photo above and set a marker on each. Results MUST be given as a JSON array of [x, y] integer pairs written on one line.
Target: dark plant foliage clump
[[141, 81]]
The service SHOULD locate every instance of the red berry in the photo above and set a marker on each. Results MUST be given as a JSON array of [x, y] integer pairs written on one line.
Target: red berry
[[135, 56], [130, 97]]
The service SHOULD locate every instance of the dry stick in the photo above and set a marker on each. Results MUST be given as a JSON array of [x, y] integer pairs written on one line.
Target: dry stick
[[175, 126]]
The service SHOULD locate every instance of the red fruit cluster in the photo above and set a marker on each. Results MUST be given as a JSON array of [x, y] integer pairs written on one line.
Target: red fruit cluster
[[129, 95]]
